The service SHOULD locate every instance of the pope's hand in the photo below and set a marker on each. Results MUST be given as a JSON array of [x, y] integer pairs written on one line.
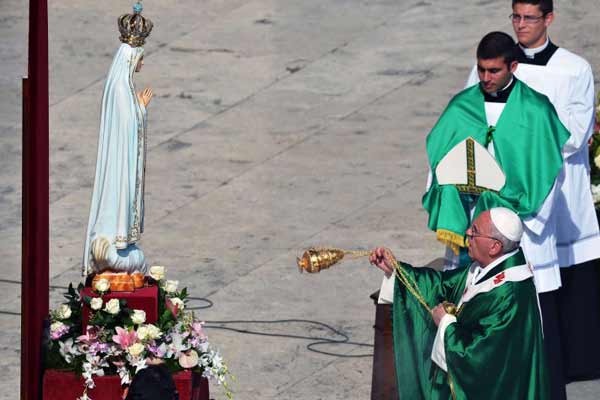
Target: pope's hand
[[438, 313], [381, 258]]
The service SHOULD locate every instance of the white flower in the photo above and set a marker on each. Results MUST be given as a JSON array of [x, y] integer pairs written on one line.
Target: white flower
[[67, 350], [124, 375], [102, 285], [138, 317], [96, 303], [176, 346], [597, 161], [138, 362], [142, 333], [135, 349], [149, 331], [157, 272], [56, 326], [178, 302], [63, 312], [112, 306], [596, 193], [171, 286], [154, 331]]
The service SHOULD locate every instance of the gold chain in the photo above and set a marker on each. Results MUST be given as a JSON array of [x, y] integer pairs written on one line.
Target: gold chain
[[407, 280]]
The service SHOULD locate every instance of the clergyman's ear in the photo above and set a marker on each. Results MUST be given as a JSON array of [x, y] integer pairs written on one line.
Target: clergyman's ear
[[496, 249]]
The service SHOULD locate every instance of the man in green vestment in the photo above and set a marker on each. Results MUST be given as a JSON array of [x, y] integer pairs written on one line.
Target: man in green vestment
[[483, 340], [503, 118]]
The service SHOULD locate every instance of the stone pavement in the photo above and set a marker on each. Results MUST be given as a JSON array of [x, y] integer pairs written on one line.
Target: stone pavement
[[276, 125]]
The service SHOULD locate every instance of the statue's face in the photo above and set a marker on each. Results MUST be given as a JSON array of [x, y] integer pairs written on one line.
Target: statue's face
[[138, 66]]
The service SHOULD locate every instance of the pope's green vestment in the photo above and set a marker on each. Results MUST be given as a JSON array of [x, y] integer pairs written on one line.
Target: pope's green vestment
[[493, 351], [527, 142]]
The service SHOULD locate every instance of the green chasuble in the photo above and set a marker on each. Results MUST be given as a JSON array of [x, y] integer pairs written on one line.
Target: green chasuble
[[527, 142], [493, 351]]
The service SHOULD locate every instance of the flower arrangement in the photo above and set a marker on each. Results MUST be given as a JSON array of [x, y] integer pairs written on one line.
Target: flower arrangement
[[594, 146], [118, 341]]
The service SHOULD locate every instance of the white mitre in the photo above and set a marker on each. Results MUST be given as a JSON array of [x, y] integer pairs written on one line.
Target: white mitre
[[470, 158], [507, 222]]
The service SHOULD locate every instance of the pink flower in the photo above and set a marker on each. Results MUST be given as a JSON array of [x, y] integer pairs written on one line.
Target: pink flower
[[198, 331], [91, 335], [58, 329], [174, 308], [124, 337]]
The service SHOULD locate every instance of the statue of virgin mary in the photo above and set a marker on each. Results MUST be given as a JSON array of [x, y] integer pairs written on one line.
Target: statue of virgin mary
[[116, 219]]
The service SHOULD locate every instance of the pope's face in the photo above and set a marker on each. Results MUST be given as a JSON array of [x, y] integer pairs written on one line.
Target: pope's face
[[530, 24], [494, 74], [483, 248]]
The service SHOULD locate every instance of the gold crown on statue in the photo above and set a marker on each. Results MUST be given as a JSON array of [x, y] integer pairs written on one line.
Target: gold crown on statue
[[134, 28]]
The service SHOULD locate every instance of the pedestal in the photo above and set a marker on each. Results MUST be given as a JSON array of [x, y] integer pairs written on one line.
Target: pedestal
[[61, 385], [383, 383], [141, 299]]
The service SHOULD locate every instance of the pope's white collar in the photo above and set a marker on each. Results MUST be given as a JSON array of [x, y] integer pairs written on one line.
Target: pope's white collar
[[483, 271], [531, 52]]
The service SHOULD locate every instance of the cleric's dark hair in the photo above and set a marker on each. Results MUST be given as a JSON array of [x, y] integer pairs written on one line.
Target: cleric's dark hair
[[546, 6], [497, 44]]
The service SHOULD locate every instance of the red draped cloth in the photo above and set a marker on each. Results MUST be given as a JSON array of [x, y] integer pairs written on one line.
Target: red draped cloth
[[142, 299], [61, 385]]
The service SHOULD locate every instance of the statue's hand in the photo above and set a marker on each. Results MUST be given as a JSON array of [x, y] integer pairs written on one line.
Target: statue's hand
[[145, 95]]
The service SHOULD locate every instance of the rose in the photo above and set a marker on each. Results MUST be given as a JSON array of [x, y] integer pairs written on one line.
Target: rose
[[597, 161], [596, 193], [153, 331], [57, 329], [135, 349], [63, 312], [157, 272], [171, 286], [142, 333], [112, 306], [138, 317], [96, 303], [149, 331], [102, 285], [177, 302]]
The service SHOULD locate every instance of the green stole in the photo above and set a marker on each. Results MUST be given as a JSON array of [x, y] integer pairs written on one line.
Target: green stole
[[527, 141], [494, 351]]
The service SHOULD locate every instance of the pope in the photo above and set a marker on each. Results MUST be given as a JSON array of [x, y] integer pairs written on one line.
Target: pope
[[487, 344]]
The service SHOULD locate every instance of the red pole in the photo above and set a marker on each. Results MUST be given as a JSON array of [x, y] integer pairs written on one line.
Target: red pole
[[35, 204]]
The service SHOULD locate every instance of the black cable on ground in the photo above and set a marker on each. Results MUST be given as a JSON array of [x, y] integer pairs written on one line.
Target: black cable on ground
[[317, 341]]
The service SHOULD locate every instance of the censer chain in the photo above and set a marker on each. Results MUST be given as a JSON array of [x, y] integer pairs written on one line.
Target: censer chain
[[407, 280]]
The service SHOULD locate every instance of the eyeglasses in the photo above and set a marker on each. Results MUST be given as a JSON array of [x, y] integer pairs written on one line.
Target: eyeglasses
[[527, 19], [473, 235]]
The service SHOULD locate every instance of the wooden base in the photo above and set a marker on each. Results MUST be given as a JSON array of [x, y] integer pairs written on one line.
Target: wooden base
[[383, 383]]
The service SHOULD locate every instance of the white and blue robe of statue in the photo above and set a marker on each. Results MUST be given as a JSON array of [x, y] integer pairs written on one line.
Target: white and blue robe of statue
[[571, 226], [117, 205]]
